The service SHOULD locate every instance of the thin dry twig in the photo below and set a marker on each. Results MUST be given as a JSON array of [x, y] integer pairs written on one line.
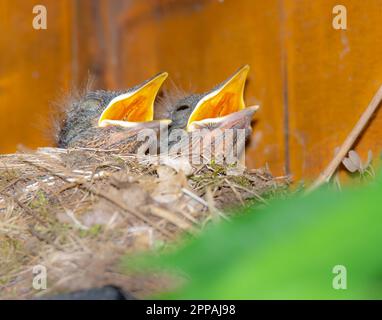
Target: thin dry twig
[[325, 176]]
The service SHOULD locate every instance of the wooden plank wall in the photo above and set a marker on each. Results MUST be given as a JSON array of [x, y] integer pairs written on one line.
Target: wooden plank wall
[[332, 76], [35, 67], [312, 81]]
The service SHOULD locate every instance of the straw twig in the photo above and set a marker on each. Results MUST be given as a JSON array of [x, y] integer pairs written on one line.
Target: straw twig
[[325, 175]]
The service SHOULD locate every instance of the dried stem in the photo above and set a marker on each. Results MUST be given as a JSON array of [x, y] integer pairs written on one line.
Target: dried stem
[[348, 143]]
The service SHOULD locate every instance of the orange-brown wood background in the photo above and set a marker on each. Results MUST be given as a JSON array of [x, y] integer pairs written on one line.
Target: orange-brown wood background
[[312, 81]]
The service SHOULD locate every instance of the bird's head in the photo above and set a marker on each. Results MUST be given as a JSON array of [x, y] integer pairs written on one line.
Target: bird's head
[[111, 119], [224, 99], [214, 115]]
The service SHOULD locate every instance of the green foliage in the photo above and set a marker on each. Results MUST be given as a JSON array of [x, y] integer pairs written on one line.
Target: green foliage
[[91, 232], [288, 250], [40, 201]]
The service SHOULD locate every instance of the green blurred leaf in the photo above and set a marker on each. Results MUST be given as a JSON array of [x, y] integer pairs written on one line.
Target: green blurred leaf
[[288, 250]]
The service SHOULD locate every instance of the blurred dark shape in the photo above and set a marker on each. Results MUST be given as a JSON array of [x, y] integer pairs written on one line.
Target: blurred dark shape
[[105, 293]]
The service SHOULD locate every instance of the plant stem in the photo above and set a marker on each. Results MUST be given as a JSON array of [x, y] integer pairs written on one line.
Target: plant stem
[[325, 175]]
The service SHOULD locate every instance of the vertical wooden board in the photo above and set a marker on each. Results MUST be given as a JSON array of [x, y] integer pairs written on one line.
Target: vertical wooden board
[[97, 42], [332, 76], [35, 66], [138, 35], [200, 43], [250, 32]]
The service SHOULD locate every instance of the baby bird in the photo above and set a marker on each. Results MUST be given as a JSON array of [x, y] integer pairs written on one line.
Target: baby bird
[[112, 119], [207, 109], [211, 117]]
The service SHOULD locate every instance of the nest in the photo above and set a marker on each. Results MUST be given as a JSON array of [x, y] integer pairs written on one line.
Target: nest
[[76, 212]]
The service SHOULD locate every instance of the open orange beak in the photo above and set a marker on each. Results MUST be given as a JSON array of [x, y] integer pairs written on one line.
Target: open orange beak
[[226, 99], [236, 120], [132, 107]]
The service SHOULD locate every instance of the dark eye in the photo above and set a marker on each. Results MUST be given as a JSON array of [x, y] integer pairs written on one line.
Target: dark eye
[[181, 108]]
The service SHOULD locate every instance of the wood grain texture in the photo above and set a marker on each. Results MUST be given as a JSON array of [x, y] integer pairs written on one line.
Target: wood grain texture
[[35, 65], [332, 76]]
